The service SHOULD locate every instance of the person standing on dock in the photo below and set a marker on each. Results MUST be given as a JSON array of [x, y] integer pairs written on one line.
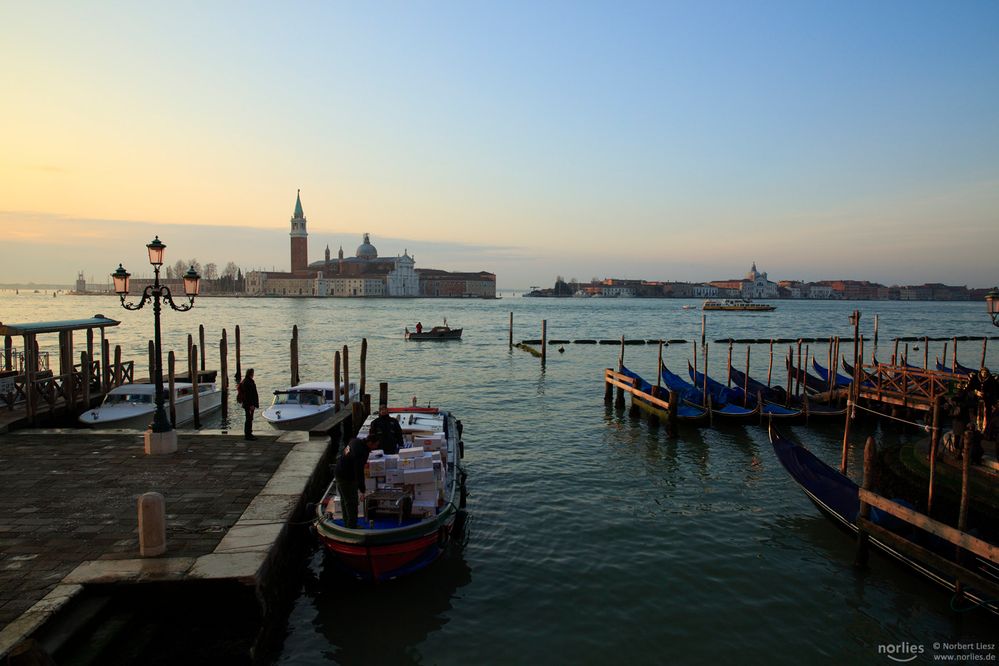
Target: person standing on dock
[[246, 395], [387, 430], [349, 473]]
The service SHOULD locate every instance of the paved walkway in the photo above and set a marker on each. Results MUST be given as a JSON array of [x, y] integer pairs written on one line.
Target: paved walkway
[[69, 497]]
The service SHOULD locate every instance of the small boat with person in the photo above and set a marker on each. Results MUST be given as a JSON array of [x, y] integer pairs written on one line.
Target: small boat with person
[[307, 406], [736, 305], [444, 332], [131, 406], [415, 502]]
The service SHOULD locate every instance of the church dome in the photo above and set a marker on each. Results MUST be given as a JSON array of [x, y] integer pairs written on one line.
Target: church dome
[[366, 250]]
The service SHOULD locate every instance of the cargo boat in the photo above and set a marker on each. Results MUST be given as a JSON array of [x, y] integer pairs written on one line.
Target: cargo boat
[[414, 501]]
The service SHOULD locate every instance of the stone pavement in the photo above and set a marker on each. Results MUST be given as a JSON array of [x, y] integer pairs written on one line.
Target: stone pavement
[[69, 497]]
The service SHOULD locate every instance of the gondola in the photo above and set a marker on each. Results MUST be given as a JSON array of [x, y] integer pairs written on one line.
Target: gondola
[[694, 396], [684, 411], [837, 497], [739, 397], [823, 373], [811, 382], [955, 369], [778, 395]]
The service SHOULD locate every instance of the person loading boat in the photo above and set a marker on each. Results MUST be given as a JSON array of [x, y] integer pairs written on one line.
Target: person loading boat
[[387, 430], [349, 473]]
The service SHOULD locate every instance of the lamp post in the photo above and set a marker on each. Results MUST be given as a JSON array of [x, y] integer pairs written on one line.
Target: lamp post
[[992, 303], [161, 437]]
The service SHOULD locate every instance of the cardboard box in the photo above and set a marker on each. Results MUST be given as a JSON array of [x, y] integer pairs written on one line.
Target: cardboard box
[[376, 467], [407, 463], [418, 476], [423, 462], [375, 454], [410, 452], [394, 476], [392, 461], [430, 495]]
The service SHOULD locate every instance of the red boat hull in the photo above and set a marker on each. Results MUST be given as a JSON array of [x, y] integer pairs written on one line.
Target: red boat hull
[[384, 562]]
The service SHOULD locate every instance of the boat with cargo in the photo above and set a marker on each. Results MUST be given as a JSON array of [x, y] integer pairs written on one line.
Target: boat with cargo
[[131, 406], [307, 406], [414, 505], [736, 305]]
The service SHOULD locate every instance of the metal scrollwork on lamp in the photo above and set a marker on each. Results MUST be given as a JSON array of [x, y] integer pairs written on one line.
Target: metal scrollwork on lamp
[[992, 303], [161, 437]]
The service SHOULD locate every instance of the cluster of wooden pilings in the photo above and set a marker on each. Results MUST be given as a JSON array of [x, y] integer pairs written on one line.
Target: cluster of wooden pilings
[[957, 536]]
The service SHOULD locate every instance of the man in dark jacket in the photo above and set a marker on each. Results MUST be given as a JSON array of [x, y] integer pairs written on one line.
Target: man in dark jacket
[[246, 395], [349, 473], [387, 430]]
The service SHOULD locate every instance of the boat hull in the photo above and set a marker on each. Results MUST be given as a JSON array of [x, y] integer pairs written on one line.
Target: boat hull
[[129, 418], [454, 334]]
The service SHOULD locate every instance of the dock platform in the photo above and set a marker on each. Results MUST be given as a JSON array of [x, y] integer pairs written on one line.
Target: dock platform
[[68, 512]]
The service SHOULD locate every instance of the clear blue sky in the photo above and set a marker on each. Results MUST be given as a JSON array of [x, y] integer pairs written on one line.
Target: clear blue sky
[[659, 140]]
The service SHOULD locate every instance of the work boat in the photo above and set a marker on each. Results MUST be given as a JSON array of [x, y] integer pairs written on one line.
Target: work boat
[[737, 305], [307, 406], [132, 405], [414, 502]]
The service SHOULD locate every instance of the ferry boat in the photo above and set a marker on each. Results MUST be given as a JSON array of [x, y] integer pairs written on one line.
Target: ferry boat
[[737, 305], [132, 405], [307, 406], [414, 501]]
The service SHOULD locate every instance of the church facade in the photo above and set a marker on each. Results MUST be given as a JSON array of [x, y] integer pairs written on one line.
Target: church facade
[[363, 275]]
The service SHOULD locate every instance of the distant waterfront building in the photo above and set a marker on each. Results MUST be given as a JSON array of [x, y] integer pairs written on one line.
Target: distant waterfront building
[[754, 285], [365, 274]]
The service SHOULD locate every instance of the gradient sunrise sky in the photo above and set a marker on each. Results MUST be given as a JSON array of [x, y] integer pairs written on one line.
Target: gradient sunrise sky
[[662, 140]]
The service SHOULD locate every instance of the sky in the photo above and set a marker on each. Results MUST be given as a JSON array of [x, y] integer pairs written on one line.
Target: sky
[[662, 140]]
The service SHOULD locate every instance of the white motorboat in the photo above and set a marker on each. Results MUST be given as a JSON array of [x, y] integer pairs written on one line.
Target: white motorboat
[[307, 406], [132, 406]]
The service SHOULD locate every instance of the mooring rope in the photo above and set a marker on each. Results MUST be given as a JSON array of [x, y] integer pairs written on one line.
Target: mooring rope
[[924, 426]]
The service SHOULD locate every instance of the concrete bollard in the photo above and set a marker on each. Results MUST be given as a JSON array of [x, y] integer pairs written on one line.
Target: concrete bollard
[[152, 525]]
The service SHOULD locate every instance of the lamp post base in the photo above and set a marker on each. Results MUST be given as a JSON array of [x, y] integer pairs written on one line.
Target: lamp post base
[[160, 443]]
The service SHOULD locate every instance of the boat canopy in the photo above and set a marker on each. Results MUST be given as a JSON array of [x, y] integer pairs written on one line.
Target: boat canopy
[[34, 328]]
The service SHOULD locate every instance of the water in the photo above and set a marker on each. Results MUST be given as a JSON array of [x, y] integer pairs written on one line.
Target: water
[[593, 538]]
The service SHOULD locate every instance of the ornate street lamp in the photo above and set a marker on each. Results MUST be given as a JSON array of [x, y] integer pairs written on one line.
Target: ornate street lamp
[[992, 303], [161, 437]]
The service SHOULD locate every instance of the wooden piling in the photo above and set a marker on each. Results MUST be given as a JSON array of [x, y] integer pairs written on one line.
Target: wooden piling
[[674, 404], [659, 368], [382, 393], [703, 328], [905, 354], [608, 392], [152, 363], [943, 360], [846, 436], [544, 341], [294, 355], [694, 345], [729, 373], [171, 386], [190, 355], [705, 382], [117, 366], [894, 353], [361, 390], [8, 353], [962, 516], [926, 353], [745, 388], [239, 371], [105, 366], [770, 368], [336, 381], [85, 385], [224, 361], [790, 378], [865, 508], [345, 357], [366, 403], [195, 392], [985, 346], [511, 331], [934, 444], [356, 417], [800, 372], [875, 333], [201, 344], [829, 364], [620, 356], [619, 399], [954, 356]]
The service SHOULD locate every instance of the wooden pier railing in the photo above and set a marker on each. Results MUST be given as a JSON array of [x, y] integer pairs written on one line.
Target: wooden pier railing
[[905, 386], [656, 406]]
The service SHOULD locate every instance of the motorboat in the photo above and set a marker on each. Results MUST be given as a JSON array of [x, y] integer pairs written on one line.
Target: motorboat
[[444, 332], [414, 505], [132, 406], [307, 406]]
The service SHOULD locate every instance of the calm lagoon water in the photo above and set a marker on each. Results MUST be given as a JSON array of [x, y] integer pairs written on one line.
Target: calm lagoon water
[[593, 538]]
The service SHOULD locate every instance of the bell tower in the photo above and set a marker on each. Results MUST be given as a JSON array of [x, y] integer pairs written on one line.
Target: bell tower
[[299, 238]]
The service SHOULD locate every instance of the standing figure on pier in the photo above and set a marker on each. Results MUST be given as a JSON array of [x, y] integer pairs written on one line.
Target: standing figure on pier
[[246, 395]]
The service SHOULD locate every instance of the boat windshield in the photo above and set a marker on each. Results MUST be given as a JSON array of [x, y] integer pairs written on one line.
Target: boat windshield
[[128, 399], [298, 398]]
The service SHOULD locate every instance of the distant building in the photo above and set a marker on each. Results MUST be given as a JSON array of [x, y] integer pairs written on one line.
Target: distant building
[[754, 285], [363, 275]]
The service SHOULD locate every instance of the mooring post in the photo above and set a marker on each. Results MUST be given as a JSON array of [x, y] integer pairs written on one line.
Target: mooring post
[[704, 383], [674, 400], [703, 328], [694, 345], [336, 381], [118, 374], [619, 400], [745, 385], [105, 365], [366, 403], [985, 346], [875, 334], [729, 373], [620, 356], [294, 355], [171, 386], [934, 443], [511, 330], [865, 508], [345, 357], [829, 364], [846, 436], [195, 397], [790, 379], [633, 410], [152, 524], [608, 388], [659, 368], [152, 363], [962, 516], [926, 353], [8, 352], [799, 373], [239, 371], [770, 368], [943, 361], [356, 417], [544, 341], [85, 366], [382, 393], [954, 356], [191, 363], [224, 362], [201, 342], [362, 387]]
